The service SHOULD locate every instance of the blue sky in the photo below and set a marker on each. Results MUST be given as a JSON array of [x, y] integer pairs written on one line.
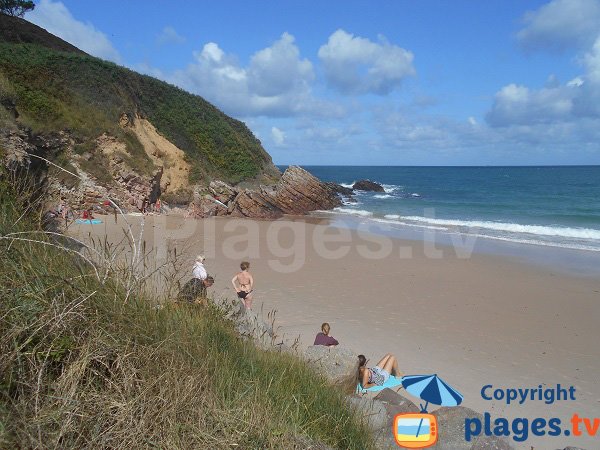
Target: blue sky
[[492, 82]]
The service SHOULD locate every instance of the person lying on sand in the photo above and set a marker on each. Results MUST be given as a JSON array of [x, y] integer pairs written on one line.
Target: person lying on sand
[[195, 291], [323, 338], [379, 374], [246, 283]]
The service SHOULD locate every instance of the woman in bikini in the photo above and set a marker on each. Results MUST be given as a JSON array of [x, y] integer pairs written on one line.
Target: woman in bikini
[[379, 374], [245, 282]]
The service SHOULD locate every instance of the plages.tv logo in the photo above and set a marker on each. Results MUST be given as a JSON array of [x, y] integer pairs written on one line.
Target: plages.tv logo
[[420, 430], [415, 430]]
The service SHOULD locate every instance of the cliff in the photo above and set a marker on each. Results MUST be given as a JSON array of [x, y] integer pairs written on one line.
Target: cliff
[[123, 133]]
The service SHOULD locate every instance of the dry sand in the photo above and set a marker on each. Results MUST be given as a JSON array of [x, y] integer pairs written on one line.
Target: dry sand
[[475, 321]]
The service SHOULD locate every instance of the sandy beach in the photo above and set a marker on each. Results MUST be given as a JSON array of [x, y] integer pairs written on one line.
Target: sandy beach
[[475, 321]]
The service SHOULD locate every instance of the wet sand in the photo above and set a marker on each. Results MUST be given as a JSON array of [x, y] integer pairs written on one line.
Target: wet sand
[[481, 320]]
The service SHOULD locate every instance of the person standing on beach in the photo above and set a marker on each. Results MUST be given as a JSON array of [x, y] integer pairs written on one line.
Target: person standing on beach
[[198, 270], [245, 282], [323, 338]]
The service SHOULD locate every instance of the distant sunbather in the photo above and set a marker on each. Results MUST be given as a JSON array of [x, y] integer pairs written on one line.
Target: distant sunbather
[[377, 375], [323, 338], [246, 283]]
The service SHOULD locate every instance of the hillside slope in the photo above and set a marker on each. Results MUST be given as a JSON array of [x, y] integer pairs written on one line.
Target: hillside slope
[[50, 88]]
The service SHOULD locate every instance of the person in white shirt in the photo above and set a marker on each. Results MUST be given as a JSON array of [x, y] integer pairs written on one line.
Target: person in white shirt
[[198, 270]]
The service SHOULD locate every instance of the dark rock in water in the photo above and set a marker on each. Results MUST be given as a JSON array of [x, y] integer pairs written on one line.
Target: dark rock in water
[[345, 192], [368, 185], [339, 189]]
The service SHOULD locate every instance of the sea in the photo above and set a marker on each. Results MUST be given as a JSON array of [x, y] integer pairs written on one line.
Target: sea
[[551, 206]]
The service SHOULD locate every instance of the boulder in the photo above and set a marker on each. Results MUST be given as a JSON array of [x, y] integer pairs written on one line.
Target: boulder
[[368, 185], [335, 363], [373, 411], [396, 403], [490, 443], [451, 431]]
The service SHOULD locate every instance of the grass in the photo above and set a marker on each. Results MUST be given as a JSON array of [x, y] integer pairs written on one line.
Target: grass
[[86, 361], [55, 90]]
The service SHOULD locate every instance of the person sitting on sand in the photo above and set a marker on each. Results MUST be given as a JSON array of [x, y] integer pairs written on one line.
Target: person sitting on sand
[[195, 290], [323, 338], [246, 283], [198, 270], [379, 374]]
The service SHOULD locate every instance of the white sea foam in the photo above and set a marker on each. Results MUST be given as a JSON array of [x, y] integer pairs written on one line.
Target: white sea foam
[[392, 216], [355, 212], [348, 185], [389, 188], [383, 196], [540, 230]]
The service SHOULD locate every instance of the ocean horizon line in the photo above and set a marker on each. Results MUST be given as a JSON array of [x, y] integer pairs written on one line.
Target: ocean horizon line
[[441, 166]]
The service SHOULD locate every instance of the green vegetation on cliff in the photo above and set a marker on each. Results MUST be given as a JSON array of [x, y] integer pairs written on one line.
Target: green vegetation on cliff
[[53, 86]]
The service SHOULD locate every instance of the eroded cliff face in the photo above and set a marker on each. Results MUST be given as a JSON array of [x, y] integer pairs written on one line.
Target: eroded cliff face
[[107, 169]]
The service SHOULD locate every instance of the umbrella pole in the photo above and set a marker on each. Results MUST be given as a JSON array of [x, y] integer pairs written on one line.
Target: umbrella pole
[[421, 421]]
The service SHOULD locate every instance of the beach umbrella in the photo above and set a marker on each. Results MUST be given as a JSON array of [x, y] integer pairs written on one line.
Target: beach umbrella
[[432, 389]]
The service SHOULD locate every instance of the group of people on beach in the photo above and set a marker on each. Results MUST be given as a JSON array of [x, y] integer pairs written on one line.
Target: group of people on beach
[[195, 291]]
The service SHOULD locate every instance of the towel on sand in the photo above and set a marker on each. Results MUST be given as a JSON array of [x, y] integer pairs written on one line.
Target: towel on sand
[[88, 221], [391, 382]]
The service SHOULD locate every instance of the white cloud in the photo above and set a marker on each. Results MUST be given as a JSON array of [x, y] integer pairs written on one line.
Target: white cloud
[[278, 136], [356, 65], [561, 24], [279, 68], [554, 103], [58, 20], [515, 104], [169, 35], [276, 82]]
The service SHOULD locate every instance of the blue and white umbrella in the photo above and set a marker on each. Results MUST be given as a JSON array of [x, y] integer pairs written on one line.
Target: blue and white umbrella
[[432, 389]]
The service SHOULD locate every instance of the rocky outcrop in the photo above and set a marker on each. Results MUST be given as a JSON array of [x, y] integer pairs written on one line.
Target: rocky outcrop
[[368, 185], [253, 204], [299, 192]]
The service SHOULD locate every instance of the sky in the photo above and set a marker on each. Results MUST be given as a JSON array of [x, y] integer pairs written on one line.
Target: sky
[[405, 82]]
